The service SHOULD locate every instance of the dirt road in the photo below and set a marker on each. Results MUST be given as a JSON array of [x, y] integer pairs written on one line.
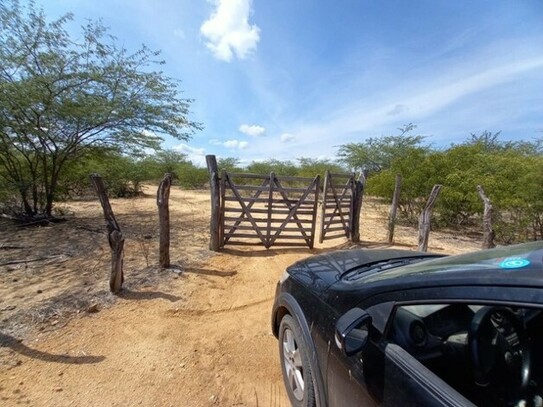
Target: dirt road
[[196, 339]]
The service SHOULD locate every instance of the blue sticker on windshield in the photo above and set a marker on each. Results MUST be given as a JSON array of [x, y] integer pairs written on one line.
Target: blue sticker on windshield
[[514, 263]]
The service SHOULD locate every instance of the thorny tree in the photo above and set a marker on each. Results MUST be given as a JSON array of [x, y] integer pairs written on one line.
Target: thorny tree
[[60, 96]]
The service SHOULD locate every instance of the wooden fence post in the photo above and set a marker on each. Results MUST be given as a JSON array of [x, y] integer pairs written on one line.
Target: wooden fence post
[[323, 206], [270, 209], [363, 176], [317, 183], [425, 218], [394, 208], [214, 228], [488, 231], [114, 235], [358, 192], [162, 201]]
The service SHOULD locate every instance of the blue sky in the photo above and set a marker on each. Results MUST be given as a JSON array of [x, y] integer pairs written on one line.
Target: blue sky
[[297, 78]]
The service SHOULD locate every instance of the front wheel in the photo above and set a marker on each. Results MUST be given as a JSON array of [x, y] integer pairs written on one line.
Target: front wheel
[[295, 365]]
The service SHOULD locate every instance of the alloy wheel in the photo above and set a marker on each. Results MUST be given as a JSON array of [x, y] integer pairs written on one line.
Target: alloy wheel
[[292, 361]]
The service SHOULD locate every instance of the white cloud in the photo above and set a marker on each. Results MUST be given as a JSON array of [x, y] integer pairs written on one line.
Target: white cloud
[[252, 130], [427, 99], [228, 31], [235, 144], [286, 137], [196, 155], [230, 144], [422, 100]]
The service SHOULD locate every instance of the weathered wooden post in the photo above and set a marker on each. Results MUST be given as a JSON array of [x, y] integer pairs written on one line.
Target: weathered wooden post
[[162, 201], [488, 231], [323, 206], [114, 235], [317, 183], [363, 176], [214, 228], [357, 193], [425, 218], [394, 208], [270, 210]]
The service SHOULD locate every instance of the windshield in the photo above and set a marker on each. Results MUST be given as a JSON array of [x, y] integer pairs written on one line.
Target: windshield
[[508, 258]]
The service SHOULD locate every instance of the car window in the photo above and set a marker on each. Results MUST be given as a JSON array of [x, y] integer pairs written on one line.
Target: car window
[[490, 354]]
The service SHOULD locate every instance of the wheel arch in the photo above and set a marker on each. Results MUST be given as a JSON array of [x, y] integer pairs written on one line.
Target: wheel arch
[[286, 304]]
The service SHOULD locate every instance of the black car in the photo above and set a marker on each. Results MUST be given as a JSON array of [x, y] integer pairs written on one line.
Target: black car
[[400, 328]]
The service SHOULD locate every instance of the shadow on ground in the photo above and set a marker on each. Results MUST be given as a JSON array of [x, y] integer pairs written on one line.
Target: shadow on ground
[[147, 295], [207, 272], [14, 344]]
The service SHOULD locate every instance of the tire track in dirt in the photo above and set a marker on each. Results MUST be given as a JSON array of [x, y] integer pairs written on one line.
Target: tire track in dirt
[[200, 312]]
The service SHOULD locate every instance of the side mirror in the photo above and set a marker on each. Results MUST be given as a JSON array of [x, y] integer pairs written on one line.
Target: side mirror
[[352, 331]]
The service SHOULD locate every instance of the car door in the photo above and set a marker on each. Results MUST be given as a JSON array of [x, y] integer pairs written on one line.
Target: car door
[[383, 373], [353, 380], [408, 383], [346, 378], [390, 378]]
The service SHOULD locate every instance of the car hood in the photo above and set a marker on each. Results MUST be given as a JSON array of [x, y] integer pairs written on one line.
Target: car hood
[[321, 271]]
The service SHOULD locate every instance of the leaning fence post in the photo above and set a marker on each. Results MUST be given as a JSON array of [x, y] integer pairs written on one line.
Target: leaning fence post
[[214, 242], [358, 192], [363, 177], [488, 231], [425, 217], [394, 208], [162, 201], [114, 235]]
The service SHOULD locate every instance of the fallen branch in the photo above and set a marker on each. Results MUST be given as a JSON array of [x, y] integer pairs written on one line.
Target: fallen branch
[[8, 247], [40, 222]]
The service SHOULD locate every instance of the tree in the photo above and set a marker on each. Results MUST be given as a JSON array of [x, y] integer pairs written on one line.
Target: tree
[[60, 97], [311, 167], [230, 164], [283, 168], [377, 154], [165, 161], [419, 174]]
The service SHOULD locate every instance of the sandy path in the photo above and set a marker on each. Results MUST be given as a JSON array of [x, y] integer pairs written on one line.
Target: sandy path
[[207, 341], [202, 338]]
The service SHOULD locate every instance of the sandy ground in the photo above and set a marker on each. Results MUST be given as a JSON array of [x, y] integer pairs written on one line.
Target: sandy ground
[[196, 338]]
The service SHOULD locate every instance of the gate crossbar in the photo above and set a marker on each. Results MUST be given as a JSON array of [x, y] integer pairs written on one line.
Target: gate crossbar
[[290, 206]]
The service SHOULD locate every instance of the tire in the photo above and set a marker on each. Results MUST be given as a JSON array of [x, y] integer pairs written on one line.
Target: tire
[[294, 355]]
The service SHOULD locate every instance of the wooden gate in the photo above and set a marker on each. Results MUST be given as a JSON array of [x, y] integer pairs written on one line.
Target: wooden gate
[[268, 210], [337, 206]]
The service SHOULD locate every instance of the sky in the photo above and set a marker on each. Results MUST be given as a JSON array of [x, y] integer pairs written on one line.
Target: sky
[[285, 79]]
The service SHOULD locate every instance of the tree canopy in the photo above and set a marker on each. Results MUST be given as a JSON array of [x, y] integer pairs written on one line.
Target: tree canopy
[[509, 171], [61, 96], [378, 153]]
